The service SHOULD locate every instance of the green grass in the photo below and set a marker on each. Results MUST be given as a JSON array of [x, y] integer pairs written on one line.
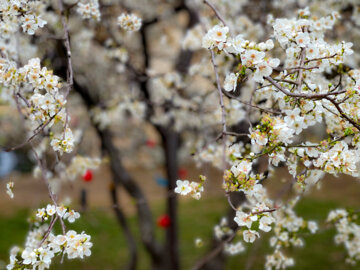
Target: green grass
[[196, 219]]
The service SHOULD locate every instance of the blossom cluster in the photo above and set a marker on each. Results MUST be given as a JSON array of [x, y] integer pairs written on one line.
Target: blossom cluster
[[184, 187], [258, 219], [193, 38], [45, 105], [121, 55], [72, 244], [222, 230], [26, 14], [213, 153], [311, 84], [42, 245], [348, 232], [128, 107], [305, 38], [129, 22], [252, 55], [271, 131], [166, 86], [240, 178], [89, 9], [339, 159], [175, 89], [308, 34], [79, 165], [300, 97], [288, 227], [234, 248], [61, 211], [260, 216], [278, 260]]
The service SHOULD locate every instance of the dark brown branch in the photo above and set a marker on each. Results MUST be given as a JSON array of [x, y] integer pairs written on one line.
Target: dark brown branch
[[38, 130], [303, 95], [122, 177], [298, 68], [235, 134], [321, 58], [170, 141], [126, 229], [285, 81], [264, 211], [24, 99], [48, 231], [338, 108], [249, 104]]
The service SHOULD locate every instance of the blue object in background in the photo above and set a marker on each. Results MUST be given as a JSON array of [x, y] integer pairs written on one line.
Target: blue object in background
[[8, 163], [161, 181]]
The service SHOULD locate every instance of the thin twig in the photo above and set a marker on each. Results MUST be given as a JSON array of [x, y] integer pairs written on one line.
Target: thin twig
[[52, 223], [215, 251], [251, 105], [235, 134], [39, 129], [303, 95], [230, 202], [337, 106], [24, 99], [321, 58], [218, 15], [264, 211]]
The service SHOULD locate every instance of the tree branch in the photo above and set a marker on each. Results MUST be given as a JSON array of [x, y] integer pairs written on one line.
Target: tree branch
[[218, 15], [125, 227], [303, 95]]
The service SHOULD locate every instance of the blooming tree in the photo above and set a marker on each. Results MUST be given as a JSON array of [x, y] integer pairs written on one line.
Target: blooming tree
[[232, 86]]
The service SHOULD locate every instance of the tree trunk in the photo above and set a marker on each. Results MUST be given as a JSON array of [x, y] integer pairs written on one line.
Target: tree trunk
[[130, 239], [170, 140]]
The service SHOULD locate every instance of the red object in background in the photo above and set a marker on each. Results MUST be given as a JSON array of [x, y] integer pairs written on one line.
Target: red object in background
[[164, 221], [182, 173], [150, 143], [88, 176]]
